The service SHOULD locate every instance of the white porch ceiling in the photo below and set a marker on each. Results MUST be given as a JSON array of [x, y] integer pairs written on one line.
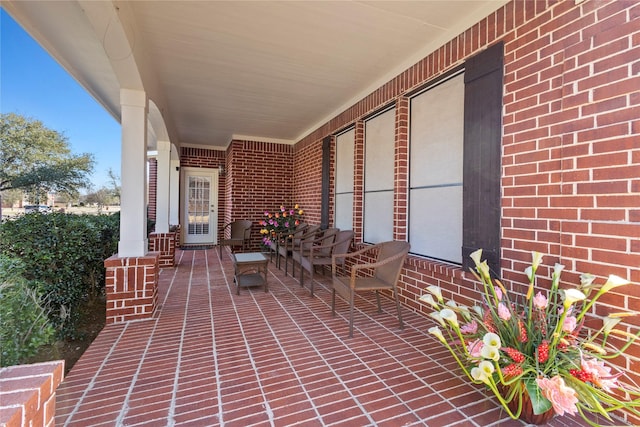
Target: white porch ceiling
[[265, 70]]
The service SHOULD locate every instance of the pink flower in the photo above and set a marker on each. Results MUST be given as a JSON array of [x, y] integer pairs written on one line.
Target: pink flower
[[470, 328], [562, 398], [540, 301], [569, 324], [503, 312], [475, 348], [498, 293], [601, 374]]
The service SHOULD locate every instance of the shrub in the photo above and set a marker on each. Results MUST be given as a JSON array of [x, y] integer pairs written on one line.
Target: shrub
[[65, 254], [24, 323]]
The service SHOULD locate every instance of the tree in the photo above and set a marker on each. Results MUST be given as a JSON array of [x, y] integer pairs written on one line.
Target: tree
[[114, 180], [38, 160], [103, 196]]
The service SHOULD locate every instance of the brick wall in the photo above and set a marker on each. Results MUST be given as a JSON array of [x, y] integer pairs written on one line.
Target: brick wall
[[131, 286], [165, 245], [260, 176], [571, 157], [29, 394], [307, 180]]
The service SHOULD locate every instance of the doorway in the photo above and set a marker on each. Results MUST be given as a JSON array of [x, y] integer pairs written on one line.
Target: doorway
[[200, 208]]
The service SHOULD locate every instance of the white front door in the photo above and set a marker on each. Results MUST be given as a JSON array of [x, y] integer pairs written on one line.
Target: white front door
[[200, 209]]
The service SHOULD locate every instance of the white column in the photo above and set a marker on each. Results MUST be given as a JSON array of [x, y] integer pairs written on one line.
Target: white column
[[133, 212], [174, 191], [162, 186]]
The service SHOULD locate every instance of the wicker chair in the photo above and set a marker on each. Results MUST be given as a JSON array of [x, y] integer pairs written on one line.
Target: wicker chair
[[321, 254], [240, 235], [379, 275], [285, 249], [278, 247]]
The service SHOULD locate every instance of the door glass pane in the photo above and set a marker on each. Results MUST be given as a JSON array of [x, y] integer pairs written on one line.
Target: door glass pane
[[198, 205]]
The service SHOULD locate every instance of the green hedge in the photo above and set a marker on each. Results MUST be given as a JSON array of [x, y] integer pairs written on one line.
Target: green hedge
[[24, 323], [64, 254]]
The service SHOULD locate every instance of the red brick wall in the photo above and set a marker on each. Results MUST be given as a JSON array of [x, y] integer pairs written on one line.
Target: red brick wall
[[571, 157], [307, 180], [131, 286], [29, 394], [260, 176]]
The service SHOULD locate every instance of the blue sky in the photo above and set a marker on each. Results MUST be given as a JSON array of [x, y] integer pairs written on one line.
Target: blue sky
[[32, 84]]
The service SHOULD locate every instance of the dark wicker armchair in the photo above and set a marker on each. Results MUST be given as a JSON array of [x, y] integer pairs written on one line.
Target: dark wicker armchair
[[240, 235], [379, 275], [322, 252]]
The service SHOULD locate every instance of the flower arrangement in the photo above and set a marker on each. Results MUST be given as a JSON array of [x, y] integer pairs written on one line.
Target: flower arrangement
[[534, 350], [279, 222]]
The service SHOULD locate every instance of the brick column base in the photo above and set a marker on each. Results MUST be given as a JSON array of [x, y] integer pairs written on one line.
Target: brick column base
[[165, 244], [29, 394], [131, 287]]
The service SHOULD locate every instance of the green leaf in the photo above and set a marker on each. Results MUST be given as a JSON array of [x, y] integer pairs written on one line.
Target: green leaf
[[539, 403]]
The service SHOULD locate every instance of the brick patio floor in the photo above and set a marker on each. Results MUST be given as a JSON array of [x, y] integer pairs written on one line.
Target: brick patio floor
[[213, 358]]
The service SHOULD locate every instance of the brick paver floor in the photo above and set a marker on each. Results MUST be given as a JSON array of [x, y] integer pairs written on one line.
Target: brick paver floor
[[214, 358]]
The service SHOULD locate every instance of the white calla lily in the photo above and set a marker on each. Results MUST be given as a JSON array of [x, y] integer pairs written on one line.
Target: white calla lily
[[479, 375], [572, 296], [436, 315], [530, 274], [490, 353], [613, 282], [436, 291], [492, 340], [428, 298], [476, 256], [437, 333], [536, 259], [608, 323], [450, 316]]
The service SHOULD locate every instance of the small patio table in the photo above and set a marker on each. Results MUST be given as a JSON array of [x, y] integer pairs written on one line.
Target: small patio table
[[250, 269]]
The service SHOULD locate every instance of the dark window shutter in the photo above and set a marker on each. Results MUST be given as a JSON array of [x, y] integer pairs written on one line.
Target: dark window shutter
[[326, 164], [482, 148]]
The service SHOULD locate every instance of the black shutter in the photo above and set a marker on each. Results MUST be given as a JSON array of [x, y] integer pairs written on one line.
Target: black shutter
[[326, 164], [482, 149]]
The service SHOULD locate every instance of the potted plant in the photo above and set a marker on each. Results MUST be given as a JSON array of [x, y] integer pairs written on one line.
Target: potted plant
[[533, 351], [276, 224]]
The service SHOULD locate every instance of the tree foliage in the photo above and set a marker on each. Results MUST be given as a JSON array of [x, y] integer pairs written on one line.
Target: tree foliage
[[37, 160]]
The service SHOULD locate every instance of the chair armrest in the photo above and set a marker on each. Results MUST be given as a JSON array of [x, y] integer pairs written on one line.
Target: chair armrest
[[350, 255], [357, 267], [379, 263]]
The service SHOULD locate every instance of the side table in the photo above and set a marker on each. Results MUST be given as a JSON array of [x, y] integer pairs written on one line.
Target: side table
[[250, 269]]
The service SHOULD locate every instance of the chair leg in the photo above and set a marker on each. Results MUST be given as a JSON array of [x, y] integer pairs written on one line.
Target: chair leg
[[351, 314], [220, 250], [311, 279], [395, 293], [293, 266], [286, 263], [378, 300], [333, 302]]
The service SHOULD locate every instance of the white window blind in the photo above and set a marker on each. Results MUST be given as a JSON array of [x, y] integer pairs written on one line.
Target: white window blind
[[344, 180], [379, 177], [435, 174]]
